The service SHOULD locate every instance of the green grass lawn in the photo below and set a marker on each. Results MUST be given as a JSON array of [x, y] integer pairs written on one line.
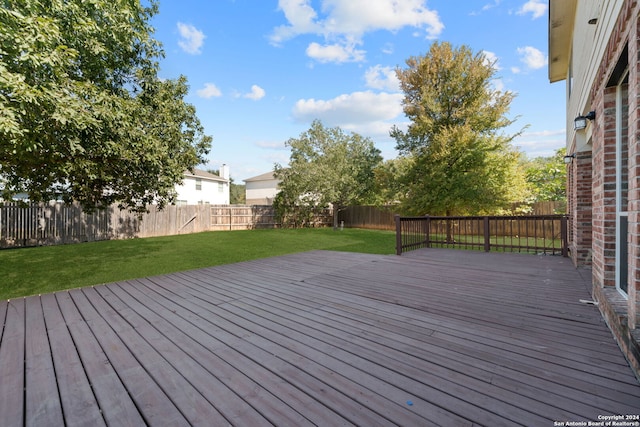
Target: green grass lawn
[[31, 271]]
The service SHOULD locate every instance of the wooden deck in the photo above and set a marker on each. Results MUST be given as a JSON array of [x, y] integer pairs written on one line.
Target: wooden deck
[[435, 337]]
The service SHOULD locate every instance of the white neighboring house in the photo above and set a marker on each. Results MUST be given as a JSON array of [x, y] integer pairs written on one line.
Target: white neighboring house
[[200, 187], [261, 189]]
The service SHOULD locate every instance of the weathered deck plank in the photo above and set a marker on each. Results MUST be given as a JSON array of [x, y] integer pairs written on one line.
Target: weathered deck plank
[[154, 405], [42, 404], [395, 308], [253, 346], [12, 402], [109, 390], [78, 401], [194, 362], [435, 337]]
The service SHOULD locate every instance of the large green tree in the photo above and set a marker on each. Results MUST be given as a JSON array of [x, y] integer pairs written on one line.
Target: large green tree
[[327, 167], [547, 177], [85, 116], [460, 160], [388, 178]]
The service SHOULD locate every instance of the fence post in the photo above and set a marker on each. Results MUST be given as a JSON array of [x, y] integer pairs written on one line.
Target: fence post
[[564, 232], [398, 235], [487, 235]]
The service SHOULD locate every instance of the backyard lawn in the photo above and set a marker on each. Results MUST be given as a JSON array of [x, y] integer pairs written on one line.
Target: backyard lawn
[[31, 271]]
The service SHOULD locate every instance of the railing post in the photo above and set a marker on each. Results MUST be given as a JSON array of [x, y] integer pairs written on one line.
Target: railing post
[[398, 235], [427, 233], [487, 235], [564, 235]]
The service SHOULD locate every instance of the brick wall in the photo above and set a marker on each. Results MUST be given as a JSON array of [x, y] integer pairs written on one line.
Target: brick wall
[[620, 313], [580, 208]]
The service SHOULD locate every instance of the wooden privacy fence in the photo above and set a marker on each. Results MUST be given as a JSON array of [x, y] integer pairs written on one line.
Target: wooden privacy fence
[[382, 217], [57, 223], [372, 217], [242, 217], [545, 234]]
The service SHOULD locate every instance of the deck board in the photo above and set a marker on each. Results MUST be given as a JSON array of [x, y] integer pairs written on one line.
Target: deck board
[[109, 391], [435, 337], [76, 394], [12, 353], [42, 406], [204, 368], [154, 405], [263, 352]]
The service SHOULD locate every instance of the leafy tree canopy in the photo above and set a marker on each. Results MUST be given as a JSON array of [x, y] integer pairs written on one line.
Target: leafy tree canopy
[[84, 115], [327, 166], [237, 195], [547, 177], [460, 161], [388, 178]]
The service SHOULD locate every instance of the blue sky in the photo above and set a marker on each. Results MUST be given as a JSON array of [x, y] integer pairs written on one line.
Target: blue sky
[[260, 71]]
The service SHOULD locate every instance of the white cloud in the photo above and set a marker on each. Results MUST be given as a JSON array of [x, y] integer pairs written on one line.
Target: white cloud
[[353, 108], [545, 133], [541, 143], [532, 57], [382, 78], [376, 130], [344, 22], [301, 17], [361, 16], [498, 85], [191, 39], [334, 53], [210, 90], [256, 93], [491, 59], [537, 8], [273, 145], [488, 6]]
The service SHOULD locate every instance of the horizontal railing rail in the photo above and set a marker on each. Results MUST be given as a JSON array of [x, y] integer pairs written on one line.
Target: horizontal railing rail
[[546, 234]]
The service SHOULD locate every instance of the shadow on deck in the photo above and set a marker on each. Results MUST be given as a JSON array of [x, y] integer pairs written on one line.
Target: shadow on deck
[[435, 337]]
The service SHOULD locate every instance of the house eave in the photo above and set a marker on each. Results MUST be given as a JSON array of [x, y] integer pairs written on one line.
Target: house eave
[[562, 15]]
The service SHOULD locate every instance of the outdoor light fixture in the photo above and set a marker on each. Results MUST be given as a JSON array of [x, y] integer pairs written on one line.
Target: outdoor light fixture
[[569, 157], [580, 122]]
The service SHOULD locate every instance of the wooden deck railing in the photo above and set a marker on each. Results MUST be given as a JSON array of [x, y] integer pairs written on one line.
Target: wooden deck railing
[[545, 234]]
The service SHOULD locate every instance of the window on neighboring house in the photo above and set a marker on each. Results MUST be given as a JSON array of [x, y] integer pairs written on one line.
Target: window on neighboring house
[[198, 184], [220, 187]]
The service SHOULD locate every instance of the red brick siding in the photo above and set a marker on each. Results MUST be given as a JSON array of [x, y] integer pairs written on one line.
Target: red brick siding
[[626, 32], [580, 208]]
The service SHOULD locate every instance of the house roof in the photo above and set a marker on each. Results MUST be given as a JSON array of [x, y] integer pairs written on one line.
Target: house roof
[[268, 176], [561, 21], [198, 173]]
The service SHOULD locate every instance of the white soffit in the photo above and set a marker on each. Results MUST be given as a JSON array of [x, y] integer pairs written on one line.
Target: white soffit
[[561, 21]]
